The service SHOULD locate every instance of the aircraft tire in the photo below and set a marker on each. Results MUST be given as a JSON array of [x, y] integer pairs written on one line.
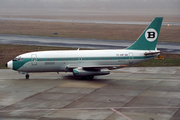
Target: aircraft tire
[[90, 77], [27, 76]]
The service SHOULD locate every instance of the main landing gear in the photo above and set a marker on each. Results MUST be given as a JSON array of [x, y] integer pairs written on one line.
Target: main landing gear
[[27, 76], [91, 77]]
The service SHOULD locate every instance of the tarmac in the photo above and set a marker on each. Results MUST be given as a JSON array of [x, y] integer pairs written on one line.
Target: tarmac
[[132, 93]]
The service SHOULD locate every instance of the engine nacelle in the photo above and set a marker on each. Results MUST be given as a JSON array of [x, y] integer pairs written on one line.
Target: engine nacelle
[[90, 72]]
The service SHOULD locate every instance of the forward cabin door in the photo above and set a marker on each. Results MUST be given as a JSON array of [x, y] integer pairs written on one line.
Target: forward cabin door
[[131, 57], [34, 59]]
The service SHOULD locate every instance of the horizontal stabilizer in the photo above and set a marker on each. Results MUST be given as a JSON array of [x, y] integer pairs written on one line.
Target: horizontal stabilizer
[[151, 53]]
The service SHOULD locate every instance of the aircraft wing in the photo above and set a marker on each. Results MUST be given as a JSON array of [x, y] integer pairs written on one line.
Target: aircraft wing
[[97, 66]]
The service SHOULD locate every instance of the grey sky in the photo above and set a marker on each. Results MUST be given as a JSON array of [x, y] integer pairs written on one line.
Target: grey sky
[[126, 6], [98, 4]]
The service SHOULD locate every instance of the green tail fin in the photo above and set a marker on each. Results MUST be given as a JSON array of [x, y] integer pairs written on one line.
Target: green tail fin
[[148, 39]]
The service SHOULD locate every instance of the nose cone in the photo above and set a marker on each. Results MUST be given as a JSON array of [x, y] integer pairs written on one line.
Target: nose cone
[[9, 64]]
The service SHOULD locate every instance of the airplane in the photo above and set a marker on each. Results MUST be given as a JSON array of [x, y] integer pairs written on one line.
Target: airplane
[[90, 63]]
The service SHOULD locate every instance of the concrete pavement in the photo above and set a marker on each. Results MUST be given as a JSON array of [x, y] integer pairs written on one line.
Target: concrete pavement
[[132, 93]]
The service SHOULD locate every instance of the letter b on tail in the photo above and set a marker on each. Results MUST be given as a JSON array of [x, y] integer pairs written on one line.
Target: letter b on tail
[[151, 35]]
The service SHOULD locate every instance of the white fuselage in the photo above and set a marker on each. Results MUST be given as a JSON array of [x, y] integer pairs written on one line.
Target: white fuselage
[[57, 61]]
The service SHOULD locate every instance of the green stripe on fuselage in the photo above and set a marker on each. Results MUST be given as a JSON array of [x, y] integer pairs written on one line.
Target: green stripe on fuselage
[[18, 64]]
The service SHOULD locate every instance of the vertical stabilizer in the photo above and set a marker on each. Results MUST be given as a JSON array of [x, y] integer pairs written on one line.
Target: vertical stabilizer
[[148, 39]]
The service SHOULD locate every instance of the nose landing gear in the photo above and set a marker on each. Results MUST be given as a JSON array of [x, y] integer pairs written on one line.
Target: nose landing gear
[[26, 74]]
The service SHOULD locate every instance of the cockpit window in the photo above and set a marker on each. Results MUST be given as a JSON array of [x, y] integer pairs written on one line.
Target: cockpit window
[[18, 59]]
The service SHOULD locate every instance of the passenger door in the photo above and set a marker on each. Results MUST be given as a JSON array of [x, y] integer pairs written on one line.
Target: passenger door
[[131, 58], [80, 60]]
